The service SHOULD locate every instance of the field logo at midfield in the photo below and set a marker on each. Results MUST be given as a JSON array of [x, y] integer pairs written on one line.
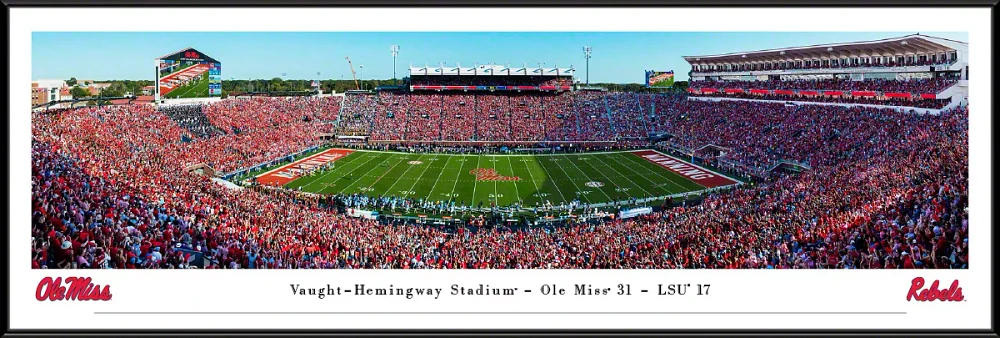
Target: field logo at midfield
[[484, 174], [415, 162], [594, 184]]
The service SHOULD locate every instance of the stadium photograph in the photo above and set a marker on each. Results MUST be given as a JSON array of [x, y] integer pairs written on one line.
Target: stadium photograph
[[803, 151]]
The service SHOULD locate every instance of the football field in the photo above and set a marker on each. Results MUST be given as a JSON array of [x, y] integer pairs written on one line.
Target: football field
[[501, 179], [197, 88]]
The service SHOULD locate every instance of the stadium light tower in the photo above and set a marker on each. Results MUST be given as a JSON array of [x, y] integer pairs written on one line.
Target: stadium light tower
[[586, 54], [395, 51], [362, 77]]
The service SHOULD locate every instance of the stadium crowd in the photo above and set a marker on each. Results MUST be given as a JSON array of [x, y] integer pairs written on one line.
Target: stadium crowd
[[391, 117], [458, 117], [883, 101], [917, 86], [360, 114], [192, 118], [630, 116], [481, 117], [857, 63], [886, 189]]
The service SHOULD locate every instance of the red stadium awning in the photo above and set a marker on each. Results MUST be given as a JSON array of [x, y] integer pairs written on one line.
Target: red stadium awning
[[928, 96], [759, 91], [693, 90], [808, 92], [833, 93], [709, 90], [860, 93], [898, 95], [784, 92], [734, 90]]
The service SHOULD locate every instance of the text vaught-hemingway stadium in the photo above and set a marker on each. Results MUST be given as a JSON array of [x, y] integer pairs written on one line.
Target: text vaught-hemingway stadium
[[843, 156]]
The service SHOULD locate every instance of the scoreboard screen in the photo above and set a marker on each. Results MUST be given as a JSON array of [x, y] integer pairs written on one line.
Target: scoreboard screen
[[659, 79], [189, 74]]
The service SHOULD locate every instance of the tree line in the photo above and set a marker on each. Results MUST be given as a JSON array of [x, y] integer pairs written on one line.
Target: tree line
[[115, 89], [235, 86], [640, 87], [281, 85]]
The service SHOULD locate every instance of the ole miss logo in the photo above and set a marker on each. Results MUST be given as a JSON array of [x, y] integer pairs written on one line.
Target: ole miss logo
[[72, 288], [485, 174], [932, 292], [191, 54]]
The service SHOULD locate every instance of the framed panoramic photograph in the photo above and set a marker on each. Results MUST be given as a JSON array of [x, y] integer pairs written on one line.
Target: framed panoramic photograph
[[492, 170]]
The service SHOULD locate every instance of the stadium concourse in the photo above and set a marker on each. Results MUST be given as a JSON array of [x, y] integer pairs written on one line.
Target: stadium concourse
[[872, 187]]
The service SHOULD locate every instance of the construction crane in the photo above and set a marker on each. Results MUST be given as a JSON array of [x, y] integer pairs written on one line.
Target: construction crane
[[354, 75]]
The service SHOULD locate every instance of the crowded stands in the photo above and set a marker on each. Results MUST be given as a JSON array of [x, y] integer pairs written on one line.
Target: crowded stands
[[192, 118], [823, 186], [839, 99], [630, 117], [887, 189], [913, 86], [391, 114], [115, 186]]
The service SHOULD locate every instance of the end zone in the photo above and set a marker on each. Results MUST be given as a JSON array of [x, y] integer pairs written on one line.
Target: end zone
[[704, 177], [294, 170]]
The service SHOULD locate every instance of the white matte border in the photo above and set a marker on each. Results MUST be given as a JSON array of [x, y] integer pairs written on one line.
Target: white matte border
[[735, 292]]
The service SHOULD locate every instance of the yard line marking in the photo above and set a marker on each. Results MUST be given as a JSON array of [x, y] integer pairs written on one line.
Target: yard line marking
[[585, 175], [602, 174], [355, 169], [387, 158], [620, 174], [475, 182], [549, 176], [529, 174], [328, 172], [618, 187], [461, 168], [659, 173], [496, 194], [429, 193], [578, 190], [398, 178], [634, 159], [637, 174]]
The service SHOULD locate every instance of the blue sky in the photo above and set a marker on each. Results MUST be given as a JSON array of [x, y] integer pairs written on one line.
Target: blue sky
[[617, 57]]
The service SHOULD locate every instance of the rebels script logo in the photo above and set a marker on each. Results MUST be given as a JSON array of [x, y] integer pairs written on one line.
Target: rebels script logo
[[75, 288], [932, 293]]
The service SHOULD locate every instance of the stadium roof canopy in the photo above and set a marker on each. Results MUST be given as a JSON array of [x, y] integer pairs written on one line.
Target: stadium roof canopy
[[496, 70], [188, 54], [905, 45]]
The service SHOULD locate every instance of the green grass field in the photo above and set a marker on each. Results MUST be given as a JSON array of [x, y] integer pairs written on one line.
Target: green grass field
[[590, 178], [197, 89]]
